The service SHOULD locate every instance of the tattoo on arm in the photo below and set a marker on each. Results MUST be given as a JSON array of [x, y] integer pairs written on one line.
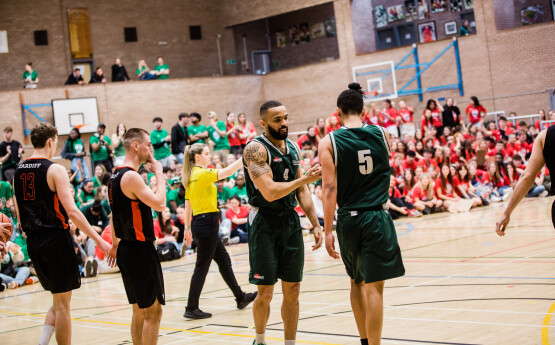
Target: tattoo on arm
[[255, 157]]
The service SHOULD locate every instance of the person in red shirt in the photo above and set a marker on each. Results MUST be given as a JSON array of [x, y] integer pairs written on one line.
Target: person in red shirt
[[428, 160], [405, 114], [512, 174], [320, 128], [498, 183], [390, 118], [445, 187], [248, 131], [475, 112], [437, 111], [238, 216], [309, 136], [233, 131], [543, 117], [410, 161], [164, 228], [504, 129], [103, 266], [398, 206], [464, 186], [334, 123], [511, 142], [500, 148], [424, 197], [521, 146], [427, 121]]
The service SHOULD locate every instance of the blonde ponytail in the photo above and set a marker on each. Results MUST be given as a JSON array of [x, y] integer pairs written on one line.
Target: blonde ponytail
[[189, 161]]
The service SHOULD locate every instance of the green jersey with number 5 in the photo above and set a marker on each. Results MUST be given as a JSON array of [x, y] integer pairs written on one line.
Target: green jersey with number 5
[[284, 168], [361, 157]]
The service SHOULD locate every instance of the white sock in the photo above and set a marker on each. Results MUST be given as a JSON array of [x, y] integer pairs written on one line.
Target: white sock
[[261, 338], [290, 342], [46, 335]]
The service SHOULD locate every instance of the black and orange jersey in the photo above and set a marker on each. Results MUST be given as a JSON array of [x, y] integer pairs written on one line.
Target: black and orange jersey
[[132, 218], [39, 207]]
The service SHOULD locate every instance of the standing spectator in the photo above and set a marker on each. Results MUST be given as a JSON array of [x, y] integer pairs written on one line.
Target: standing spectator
[[218, 134], [10, 155], [436, 111], [390, 118], [101, 148], [233, 131], [30, 77], [475, 112], [197, 132], [143, 72], [451, 114], [160, 142], [75, 78], [180, 138], [162, 70], [248, 131], [74, 150], [119, 73], [407, 120], [117, 142], [465, 28], [98, 76]]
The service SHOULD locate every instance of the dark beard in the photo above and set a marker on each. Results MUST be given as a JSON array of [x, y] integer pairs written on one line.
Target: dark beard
[[276, 134]]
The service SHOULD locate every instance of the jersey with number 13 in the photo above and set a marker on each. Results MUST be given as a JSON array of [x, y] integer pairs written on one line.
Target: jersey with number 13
[[361, 157]]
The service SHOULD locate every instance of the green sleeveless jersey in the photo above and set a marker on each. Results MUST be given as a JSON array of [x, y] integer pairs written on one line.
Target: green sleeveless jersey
[[284, 168], [361, 157]]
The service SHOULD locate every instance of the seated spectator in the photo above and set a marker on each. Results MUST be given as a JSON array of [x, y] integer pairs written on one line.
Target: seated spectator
[[102, 265], [240, 188], [11, 273], [424, 196], [162, 70], [165, 229], [464, 188], [98, 76], [119, 73], [86, 196], [175, 198], [30, 77], [238, 216], [445, 188], [99, 172], [399, 207], [311, 137], [224, 194], [334, 123], [96, 216], [75, 78], [318, 204], [143, 72], [538, 189], [84, 251], [498, 183]]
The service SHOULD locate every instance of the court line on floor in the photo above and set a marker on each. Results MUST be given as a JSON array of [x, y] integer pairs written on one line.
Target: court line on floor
[[506, 250], [545, 325]]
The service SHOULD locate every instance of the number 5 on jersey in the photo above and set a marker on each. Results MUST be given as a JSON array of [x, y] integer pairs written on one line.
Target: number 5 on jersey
[[366, 164]]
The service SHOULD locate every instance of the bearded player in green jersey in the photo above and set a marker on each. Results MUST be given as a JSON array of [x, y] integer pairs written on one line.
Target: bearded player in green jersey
[[276, 247], [355, 175]]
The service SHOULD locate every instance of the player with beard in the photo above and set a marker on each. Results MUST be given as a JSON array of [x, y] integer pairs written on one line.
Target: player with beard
[[276, 247]]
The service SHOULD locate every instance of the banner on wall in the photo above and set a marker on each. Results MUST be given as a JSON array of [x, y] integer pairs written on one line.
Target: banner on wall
[[3, 41]]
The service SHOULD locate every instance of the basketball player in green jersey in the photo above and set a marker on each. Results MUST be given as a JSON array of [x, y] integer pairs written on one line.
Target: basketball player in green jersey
[[276, 246], [355, 175]]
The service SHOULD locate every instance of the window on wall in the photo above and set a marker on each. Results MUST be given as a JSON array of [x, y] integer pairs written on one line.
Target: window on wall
[[515, 13], [385, 24], [130, 34]]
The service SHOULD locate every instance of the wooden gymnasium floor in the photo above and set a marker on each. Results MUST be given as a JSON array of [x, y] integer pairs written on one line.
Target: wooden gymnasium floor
[[464, 285]]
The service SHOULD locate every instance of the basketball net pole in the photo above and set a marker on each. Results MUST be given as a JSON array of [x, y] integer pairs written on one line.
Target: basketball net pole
[[25, 139]]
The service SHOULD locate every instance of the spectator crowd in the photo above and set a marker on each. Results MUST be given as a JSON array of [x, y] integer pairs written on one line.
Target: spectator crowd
[[450, 161]]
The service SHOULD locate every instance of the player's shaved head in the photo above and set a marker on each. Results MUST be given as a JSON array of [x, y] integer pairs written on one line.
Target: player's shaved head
[[134, 135]]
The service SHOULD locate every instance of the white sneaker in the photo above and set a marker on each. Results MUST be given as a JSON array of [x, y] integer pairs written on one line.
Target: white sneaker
[[235, 240], [12, 285], [543, 194]]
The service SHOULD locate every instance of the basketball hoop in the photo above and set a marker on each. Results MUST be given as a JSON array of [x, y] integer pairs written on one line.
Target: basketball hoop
[[79, 126]]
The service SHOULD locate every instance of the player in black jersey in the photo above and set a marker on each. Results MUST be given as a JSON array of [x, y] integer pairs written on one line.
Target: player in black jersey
[[44, 203], [543, 152], [133, 234]]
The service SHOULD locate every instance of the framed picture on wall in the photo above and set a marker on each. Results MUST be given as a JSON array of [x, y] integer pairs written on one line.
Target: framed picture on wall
[[532, 15], [468, 4], [3, 41], [318, 30], [280, 38], [304, 32], [427, 32], [330, 27], [410, 10], [294, 35], [439, 6], [381, 16], [395, 13], [456, 5], [451, 28]]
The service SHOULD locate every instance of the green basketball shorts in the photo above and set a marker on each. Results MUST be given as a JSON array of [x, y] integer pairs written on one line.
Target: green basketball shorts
[[369, 246], [276, 247]]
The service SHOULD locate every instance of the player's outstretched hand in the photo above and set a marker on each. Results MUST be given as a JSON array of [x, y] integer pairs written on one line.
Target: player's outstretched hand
[[330, 246], [5, 233], [318, 239], [502, 224], [313, 174]]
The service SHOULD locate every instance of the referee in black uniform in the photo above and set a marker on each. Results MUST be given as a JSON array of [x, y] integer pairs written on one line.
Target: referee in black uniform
[[43, 203], [133, 235], [543, 152]]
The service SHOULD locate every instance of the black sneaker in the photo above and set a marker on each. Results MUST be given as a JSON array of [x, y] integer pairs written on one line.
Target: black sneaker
[[87, 272], [2, 287], [196, 314], [246, 300], [94, 268]]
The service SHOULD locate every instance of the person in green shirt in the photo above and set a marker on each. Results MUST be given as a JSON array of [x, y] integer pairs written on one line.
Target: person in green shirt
[[197, 132], [101, 148], [117, 144], [6, 192], [74, 150], [161, 143], [21, 241], [465, 28], [218, 134], [240, 189], [30, 77], [162, 69], [224, 193], [175, 198], [86, 195]]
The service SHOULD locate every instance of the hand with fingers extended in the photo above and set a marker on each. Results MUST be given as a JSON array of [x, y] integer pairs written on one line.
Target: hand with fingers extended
[[313, 174], [330, 245]]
